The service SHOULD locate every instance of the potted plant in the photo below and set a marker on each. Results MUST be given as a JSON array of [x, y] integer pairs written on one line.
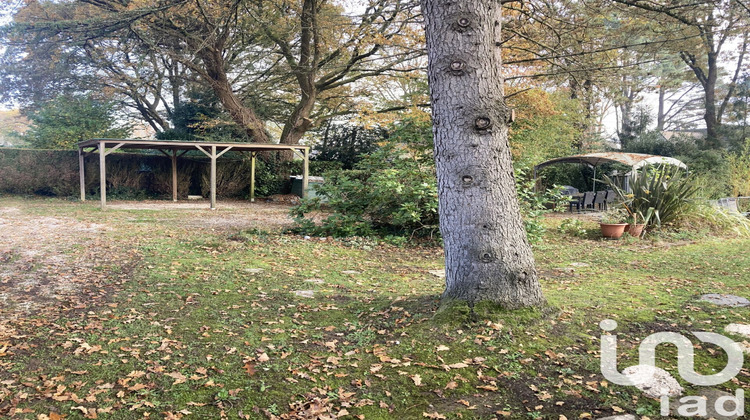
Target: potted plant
[[637, 221], [613, 223]]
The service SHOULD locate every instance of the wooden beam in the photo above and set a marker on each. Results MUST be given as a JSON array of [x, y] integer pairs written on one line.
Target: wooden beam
[[213, 177], [224, 151], [299, 154], [203, 150], [174, 175], [305, 171], [187, 145], [117, 146], [82, 174], [252, 176], [103, 174]]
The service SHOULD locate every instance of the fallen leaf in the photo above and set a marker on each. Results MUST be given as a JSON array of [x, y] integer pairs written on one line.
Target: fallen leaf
[[249, 368], [178, 377], [417, 380]]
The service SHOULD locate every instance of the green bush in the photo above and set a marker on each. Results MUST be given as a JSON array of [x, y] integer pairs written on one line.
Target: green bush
[[535, 204], [660, 195], [393, 191], [401, 199], [573, 227]]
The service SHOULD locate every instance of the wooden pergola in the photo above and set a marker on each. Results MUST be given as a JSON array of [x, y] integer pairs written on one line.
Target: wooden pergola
[[171, 148]]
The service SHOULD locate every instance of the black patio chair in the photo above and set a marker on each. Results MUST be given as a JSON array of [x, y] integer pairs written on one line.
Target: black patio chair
[[610, 199], [586, 201], [600, 200], [575, 201]]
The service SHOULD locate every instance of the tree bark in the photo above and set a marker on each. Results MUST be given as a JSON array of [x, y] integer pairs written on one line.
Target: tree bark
[[305, 71], [242, 115], [712, 123], [487, 255], [660, 117]]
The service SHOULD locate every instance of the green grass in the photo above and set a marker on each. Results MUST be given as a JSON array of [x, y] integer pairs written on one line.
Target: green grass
[[194, 331]]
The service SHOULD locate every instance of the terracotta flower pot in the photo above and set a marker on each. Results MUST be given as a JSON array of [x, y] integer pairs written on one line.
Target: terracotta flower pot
[[636, 230], [613, 231]]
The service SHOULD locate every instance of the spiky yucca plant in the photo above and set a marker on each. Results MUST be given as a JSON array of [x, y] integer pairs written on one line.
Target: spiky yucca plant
[[659, 195]]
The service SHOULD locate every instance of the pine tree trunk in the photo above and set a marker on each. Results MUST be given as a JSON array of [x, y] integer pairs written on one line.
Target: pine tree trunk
[[487, 255], [660, 117], [712, 123]]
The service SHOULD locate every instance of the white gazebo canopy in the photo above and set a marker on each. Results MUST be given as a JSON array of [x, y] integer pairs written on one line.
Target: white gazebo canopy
[[634, 160]]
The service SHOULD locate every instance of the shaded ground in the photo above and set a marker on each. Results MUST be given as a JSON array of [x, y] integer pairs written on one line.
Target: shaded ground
[[188, 313], [45, 260], [229, 214], [50, 264]]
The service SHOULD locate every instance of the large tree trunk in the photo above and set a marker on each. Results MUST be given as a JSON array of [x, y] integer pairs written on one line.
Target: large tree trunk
[[712, 123], [660, 117], [242, 115], [487, 255]]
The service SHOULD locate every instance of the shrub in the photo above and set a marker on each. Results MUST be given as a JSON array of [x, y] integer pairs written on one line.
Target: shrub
[[43, 172], [660, 195], [739, 170], [534, 204], [703, 217], [401, 199], [393, 191], [572, 227]]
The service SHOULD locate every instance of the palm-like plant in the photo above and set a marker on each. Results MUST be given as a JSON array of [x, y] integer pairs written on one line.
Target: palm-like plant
[[659, 196]]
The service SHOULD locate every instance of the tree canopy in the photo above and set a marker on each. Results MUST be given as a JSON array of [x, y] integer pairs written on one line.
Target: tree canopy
[[66, 120]]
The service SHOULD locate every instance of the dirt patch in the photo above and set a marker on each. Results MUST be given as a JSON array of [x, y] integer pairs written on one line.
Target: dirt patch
[[45, 260], [229, 215]]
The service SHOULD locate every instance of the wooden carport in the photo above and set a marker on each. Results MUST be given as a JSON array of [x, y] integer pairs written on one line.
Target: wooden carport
[[171, 148]]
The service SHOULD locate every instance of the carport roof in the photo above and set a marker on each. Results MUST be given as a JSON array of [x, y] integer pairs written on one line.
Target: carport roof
[[185, 145]]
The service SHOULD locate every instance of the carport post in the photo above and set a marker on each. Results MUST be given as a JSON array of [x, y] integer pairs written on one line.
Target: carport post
[[305, 171], [213, 177], [82, 174], [594, 178], [102, 174], [252, 177], [174, 175]]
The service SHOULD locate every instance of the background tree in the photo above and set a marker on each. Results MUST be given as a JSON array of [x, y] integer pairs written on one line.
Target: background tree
[[265, 62], [487, 255], [547, 125], [66, 120], [35, 69], [715, 24], [345, 143]]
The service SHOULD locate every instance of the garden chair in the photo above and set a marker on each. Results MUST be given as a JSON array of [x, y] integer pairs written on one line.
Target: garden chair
[[730, 205], [600, 200], [610, 199], [586, 201]]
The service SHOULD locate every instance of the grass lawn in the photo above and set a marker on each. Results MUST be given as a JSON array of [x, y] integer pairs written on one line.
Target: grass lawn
[[172, 314]]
